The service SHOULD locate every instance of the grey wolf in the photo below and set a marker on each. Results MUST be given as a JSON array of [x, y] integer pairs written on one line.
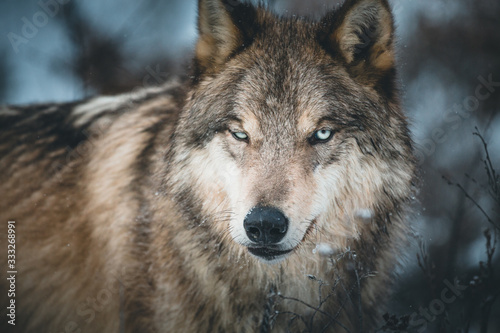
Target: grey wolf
[[267, 194]]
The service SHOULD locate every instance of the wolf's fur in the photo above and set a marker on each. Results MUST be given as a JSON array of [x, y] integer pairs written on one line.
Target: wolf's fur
[[129, 210]]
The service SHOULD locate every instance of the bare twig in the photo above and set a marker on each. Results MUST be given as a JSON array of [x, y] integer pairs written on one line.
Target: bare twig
[[490, 170], [315, 309], [468, 196]]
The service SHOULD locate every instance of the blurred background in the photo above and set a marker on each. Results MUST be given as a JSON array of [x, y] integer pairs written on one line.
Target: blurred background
[[449, 66]]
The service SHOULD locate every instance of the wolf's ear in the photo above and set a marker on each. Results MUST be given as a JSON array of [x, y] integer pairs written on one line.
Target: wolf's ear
[[225, 27], [361, 33]]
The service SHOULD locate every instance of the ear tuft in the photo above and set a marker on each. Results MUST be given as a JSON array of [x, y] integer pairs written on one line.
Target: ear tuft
[[361, 33], [225, 27]]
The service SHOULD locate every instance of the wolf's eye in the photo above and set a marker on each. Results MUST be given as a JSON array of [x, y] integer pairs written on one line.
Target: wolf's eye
[[321, 136], [240, 136]]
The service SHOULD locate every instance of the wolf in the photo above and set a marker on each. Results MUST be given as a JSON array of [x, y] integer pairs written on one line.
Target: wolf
[[268, 192]]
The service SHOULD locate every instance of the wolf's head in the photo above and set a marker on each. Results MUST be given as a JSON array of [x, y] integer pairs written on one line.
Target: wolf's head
[[292, 127]]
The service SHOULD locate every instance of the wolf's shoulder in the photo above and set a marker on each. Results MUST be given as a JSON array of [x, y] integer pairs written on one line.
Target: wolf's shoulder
[[84, 113], [52, 130]]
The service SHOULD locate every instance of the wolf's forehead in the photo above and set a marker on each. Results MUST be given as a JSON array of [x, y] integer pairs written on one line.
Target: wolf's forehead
[[287, 94]]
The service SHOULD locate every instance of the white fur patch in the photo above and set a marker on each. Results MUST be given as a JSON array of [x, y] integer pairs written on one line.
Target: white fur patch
[[85, 112], [95, 106]]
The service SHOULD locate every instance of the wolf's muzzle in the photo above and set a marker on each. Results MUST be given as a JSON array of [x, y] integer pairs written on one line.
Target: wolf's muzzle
[[265, 226]]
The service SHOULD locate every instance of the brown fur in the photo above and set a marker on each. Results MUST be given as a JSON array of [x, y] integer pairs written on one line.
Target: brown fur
[[129, 210]]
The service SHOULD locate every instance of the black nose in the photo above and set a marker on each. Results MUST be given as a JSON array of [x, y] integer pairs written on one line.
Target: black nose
[[265, 225]]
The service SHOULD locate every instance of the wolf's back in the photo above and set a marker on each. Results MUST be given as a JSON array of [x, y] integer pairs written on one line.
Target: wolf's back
[[72, 178]]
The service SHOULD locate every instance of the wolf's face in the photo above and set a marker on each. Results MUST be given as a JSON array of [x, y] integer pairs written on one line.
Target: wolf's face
[[290, 123]]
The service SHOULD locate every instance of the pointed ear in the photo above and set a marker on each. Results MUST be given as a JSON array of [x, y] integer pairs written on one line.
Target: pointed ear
[[361, 34], [225, 28]]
